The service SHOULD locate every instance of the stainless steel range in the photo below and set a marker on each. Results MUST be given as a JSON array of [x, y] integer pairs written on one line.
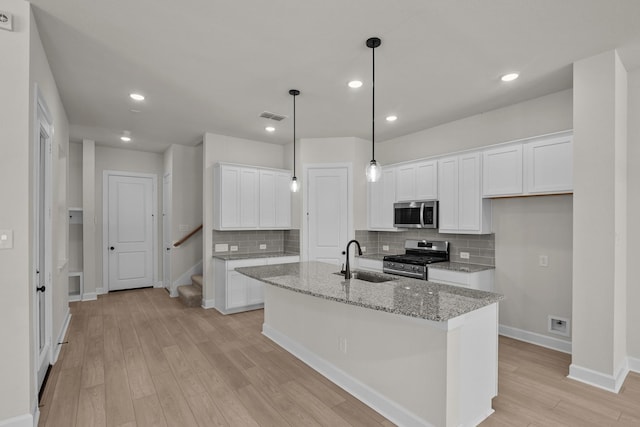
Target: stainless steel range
[[418, 254]]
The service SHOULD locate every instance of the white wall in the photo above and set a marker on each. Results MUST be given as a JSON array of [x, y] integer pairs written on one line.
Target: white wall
[[74, 196], [516, 221], [117, 159], [221, 148], [27, 65], [633, 213]]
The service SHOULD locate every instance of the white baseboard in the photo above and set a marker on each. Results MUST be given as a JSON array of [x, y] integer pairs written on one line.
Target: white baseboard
[[101, 291], [607, 382], [535, 338], [57, 346], [376, 401], [89, 296], [158, 285], [25, 420], [208, 303], [634, 364], [185, 278]]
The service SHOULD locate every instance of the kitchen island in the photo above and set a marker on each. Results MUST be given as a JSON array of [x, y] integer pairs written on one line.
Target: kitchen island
[[420, 353]]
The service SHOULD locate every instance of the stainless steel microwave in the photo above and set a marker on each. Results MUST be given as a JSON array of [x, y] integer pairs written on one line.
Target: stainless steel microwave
[[420, 214]]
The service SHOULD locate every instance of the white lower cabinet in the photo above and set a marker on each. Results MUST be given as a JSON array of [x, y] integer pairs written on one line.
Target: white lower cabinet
[[480, 280], [235, 292]]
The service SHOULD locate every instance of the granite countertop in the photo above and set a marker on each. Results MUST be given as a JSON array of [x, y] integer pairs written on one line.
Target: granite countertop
[[460, 267], [235, 256], [402, 295]]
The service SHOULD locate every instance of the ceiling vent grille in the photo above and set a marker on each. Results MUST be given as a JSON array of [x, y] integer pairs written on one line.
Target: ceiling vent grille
[[272, 116]]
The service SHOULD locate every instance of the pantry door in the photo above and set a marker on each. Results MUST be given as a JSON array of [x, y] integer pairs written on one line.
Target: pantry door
[[328, 212], [130, 242]]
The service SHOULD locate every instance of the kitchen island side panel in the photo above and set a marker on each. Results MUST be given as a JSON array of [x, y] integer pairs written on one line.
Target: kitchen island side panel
[[411, 369]]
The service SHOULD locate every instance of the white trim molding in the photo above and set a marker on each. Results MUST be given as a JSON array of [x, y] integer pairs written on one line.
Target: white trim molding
[[63, 332], [90, 296], [535, 338], [607, 382], [208, 303], [100, 291], [366, 394], [25, 420], [634, 364]]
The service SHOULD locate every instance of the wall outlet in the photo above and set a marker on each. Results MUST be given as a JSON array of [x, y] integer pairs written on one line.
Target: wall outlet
[[559, 325], [363, 249], [234, 248], [263, 246], [342, 345], [543, 261], [221, 247], [385, 248], [464, 255]]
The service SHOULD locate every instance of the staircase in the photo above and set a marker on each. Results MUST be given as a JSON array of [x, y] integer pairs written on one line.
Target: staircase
[[191, 295]]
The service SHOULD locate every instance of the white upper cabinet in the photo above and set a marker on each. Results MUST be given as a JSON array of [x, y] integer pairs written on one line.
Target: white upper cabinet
[[542, 165], [382, 196], [275, 199], [549, 165], [502, 171], [417, 181], [247, 197], [461, 206]]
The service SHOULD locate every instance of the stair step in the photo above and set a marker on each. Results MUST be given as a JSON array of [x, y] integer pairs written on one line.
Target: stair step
[[190, 295], [197, 280]]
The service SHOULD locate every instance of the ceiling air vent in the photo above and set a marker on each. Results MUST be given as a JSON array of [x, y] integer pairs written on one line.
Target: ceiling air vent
[[272, 116]]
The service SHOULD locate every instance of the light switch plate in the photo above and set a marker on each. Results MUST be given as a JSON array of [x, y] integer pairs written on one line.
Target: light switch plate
[[6, 239], [221, 247], [263, 246], [234, 248], [464, 255]]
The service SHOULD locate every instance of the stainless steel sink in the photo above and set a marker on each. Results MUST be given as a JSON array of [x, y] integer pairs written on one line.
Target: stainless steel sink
[[369, 276]]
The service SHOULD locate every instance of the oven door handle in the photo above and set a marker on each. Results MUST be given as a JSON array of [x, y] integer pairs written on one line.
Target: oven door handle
[[422, 215]]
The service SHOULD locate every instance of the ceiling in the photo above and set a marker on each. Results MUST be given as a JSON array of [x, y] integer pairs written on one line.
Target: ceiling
[[214, 66]]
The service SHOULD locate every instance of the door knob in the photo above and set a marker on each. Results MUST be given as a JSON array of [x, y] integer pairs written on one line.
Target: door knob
[[41, 288], [111, 248]]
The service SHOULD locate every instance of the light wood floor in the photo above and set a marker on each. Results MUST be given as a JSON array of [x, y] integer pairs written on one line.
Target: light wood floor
[[139, 358]]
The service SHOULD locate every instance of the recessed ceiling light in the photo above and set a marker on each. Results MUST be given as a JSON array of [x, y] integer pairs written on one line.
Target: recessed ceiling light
[[136, 96], [270, 129], [355, 84], [125, 138], [392, 118], [509, 77]]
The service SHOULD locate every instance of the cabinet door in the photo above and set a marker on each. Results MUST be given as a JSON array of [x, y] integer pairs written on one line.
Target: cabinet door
[[448, 193], [406, 183], [229, 209], [283, 200], [502, 171], [249, 200], [382, 196], [255, 291], [469, 196], [267, 198], [236, 290], [427, 180], [549, 165]]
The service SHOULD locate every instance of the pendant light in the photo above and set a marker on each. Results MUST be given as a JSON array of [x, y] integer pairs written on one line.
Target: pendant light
[[374, 169], [294, 181]]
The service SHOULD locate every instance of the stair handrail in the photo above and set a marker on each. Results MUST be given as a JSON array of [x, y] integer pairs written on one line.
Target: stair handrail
[[188, 236]]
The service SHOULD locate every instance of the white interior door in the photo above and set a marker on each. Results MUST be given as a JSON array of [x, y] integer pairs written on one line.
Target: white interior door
[[166, 231], [327, 213], [130, 232], [43, 252]]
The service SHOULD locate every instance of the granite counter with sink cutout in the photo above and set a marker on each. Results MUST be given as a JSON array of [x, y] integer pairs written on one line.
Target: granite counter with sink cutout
[[399, 295]]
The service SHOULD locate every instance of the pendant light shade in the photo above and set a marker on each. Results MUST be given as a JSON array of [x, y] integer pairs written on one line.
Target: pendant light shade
[[374, 169], [294, 186]]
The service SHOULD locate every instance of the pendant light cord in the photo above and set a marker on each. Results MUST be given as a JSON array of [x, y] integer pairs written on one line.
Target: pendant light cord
[[294, 135], [373, 105]]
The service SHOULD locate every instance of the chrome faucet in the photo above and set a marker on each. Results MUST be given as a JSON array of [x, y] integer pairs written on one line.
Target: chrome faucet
[[347, 270]]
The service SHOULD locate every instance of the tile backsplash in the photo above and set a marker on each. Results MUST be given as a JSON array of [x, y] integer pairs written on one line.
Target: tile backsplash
[[481, 247], [249, 242]]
